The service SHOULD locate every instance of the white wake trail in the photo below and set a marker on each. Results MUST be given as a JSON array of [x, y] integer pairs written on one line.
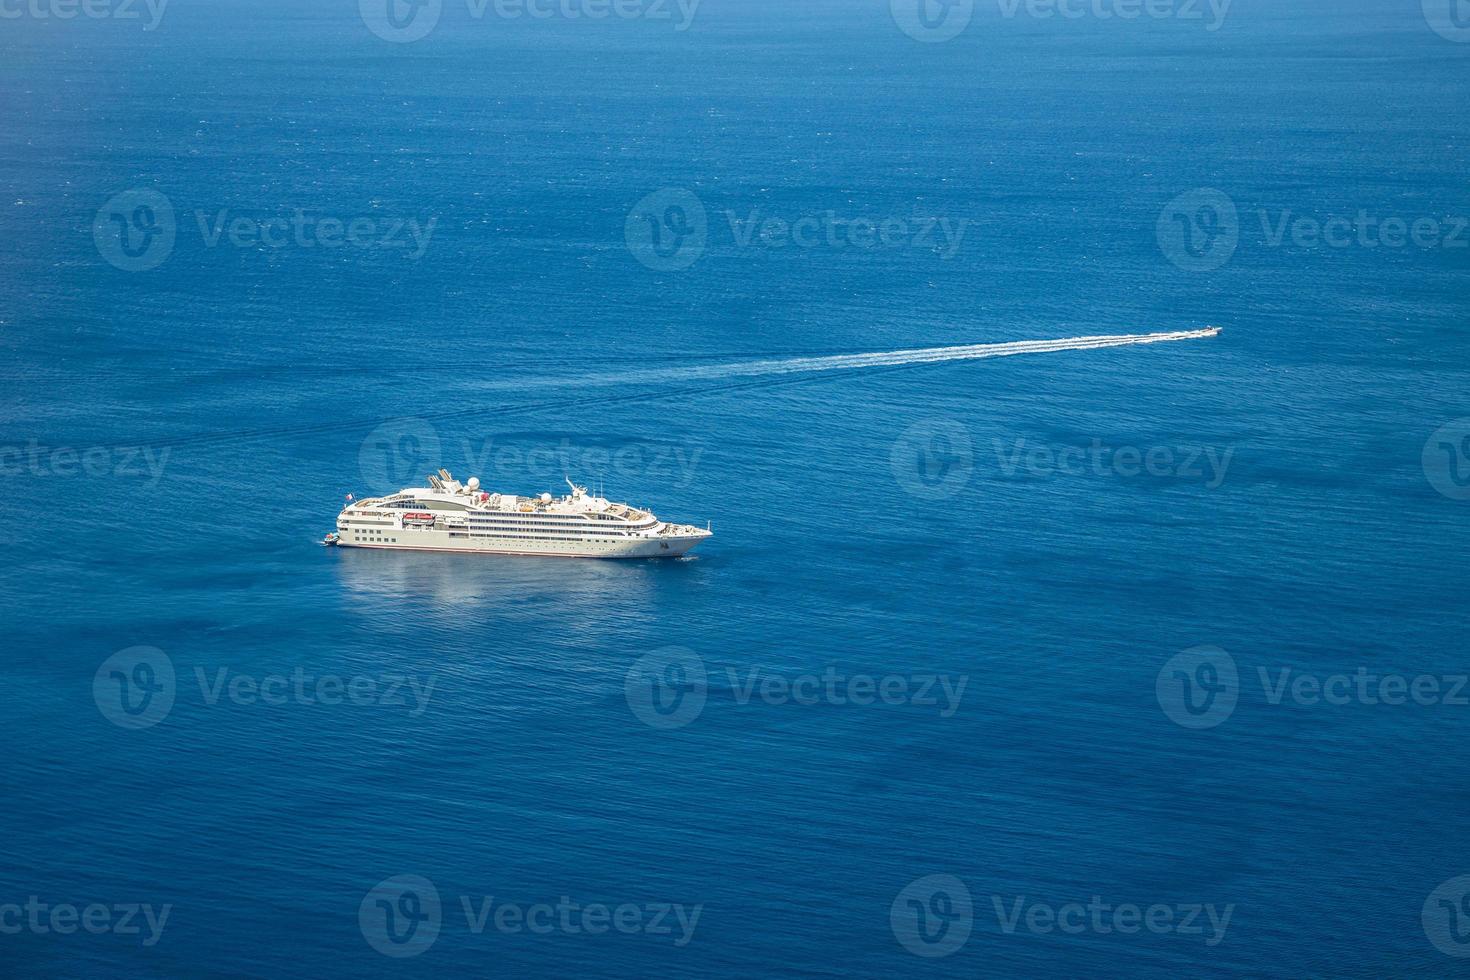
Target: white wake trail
[[847, 362]]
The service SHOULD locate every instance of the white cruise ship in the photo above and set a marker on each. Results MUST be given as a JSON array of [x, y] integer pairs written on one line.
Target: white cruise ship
[[450, 516]]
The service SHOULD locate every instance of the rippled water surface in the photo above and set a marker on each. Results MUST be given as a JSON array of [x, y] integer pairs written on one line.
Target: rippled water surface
[[1047, 534]]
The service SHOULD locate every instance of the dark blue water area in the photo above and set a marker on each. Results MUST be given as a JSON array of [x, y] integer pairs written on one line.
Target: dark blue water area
[[967, 519]]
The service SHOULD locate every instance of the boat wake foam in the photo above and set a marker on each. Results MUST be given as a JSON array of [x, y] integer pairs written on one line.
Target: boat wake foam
[[849, 362]]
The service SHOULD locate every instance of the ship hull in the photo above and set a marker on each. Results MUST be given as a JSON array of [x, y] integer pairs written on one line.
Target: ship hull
[[667, 547]]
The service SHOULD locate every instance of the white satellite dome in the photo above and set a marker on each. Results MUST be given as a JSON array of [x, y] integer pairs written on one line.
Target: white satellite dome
[[546, 498], [474, 483]]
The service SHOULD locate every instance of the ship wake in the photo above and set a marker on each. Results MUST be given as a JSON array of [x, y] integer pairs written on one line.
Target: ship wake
[[850, 362]]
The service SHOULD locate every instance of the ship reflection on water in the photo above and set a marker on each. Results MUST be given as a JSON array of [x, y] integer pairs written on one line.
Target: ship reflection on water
[[474, 587]]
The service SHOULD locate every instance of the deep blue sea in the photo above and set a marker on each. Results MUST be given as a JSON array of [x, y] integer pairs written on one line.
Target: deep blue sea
[[1134, 662]]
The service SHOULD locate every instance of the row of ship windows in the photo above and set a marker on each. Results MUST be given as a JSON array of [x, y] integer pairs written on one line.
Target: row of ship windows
[[541, 518], [486, 526], [527, 537], [508, 515], [575, 519], [501, 523], [569, 530]]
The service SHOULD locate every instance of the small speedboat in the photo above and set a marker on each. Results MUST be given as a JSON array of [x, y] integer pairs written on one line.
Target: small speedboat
[[331, 539]]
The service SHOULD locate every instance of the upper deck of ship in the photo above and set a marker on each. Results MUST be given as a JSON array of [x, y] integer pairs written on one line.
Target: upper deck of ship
[[447, 493]]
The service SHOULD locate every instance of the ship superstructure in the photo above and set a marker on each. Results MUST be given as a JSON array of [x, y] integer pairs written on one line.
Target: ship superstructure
[[451, 516]]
